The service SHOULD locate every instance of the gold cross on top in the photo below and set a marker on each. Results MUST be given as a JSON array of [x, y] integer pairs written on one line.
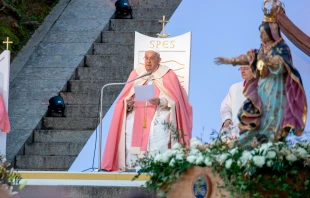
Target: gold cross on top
[[163, 35], [7, 42]]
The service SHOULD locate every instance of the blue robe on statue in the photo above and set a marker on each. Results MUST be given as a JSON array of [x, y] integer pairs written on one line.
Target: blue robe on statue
[[276, 101]]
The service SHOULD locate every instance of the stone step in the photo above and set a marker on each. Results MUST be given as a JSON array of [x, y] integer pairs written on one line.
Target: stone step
[[103, 73], [51, 136], [84, 191], [92, 86], [90, 98], [44, 162], [139, 25], [54, 149], [154, 4], [152, 13], [122, 37], [113, 49], [84, 111], [109, 61], [61, 123]]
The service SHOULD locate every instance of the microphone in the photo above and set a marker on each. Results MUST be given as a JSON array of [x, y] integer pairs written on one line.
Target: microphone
[[101, 112], [143, 75]]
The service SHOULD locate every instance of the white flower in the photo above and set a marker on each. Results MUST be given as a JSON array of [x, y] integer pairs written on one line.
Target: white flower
[[255, 151], [280, 157], [269, 163], [264, 148], [199, 160], [233, 151], [191, 159], [177, 151], [246, 156], [166, 156], [301, 152], [194, 151], [279, 143], [271, 155], [285, 151], [214, 142], [194, 142], [174, 152], [179, 157], [176, 146], [291, 158], [172, 162], [222, 158], [228, 163], [259, 160], [239, 163], [158, 158], [208, 161]]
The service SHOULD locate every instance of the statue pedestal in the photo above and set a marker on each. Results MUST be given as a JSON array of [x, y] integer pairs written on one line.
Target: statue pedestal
[[198, 182]]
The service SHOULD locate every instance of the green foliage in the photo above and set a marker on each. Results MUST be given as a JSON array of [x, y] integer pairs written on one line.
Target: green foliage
[[270, 170], [6, 31], [20, 29], [8, 177]]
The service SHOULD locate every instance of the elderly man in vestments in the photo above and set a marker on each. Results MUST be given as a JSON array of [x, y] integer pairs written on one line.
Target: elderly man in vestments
[[137, 128], [231, 105], [4, 126]]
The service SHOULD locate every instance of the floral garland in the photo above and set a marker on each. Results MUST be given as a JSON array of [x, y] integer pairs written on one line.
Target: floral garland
[[269, 170], [8, 178]]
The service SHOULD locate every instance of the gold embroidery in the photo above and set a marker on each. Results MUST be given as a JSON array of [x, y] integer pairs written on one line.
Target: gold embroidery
[[145, 113], [280, 50]]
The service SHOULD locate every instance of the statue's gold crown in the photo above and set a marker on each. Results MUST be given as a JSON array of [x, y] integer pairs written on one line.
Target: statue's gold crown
[[271, 14]]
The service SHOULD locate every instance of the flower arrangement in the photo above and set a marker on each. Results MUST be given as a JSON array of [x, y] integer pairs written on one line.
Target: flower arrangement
[[269, 170], [8, 178]]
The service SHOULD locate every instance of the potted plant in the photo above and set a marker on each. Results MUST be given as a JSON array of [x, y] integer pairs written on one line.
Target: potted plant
[[8, 178]]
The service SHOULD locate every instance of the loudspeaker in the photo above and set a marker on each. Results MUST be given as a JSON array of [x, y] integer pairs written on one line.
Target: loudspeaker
[[123, 9], [56, 107]]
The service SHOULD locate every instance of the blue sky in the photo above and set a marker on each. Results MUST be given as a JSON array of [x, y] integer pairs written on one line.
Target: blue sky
[[227, 28]]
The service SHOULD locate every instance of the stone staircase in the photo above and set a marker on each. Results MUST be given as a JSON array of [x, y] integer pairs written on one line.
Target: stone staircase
[[60, 139]]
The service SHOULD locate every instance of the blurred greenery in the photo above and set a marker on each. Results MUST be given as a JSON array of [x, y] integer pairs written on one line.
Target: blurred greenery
[[20, 26]]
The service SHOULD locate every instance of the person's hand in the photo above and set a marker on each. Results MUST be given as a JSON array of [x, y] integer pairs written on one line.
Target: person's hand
[[154, 101], [222, 60], [250, 52], [227, 123], [130, 102]]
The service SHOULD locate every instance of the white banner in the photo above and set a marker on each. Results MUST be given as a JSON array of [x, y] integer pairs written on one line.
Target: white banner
[[4, 91], [175, 53]]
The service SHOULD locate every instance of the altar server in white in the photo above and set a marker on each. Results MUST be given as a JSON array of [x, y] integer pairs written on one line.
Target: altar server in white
[[232, 103]]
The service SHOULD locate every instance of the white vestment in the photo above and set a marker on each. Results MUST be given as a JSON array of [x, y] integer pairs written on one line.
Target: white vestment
[[2, 143], [231, 105], [159, 136]]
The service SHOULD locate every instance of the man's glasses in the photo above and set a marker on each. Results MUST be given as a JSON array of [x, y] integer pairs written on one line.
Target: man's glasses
[[152, 59], [243, 69]]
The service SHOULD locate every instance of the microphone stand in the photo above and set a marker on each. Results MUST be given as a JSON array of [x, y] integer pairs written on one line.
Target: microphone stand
[[101, 113]]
